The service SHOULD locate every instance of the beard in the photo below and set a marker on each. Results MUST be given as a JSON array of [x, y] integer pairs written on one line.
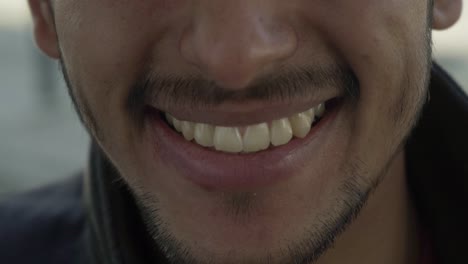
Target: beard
[[316, 239]]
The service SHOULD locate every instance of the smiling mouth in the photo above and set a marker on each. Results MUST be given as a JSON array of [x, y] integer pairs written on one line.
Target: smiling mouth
[[245, 155], [251, 138]]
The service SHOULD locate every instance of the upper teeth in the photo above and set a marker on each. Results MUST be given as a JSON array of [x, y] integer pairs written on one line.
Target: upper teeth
[[251, 138]]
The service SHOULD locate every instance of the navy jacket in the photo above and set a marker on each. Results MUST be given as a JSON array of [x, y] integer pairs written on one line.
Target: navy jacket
[[92, 217]]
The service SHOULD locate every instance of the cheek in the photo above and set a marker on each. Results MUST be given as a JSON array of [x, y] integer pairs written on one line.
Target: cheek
[[385, 44], [381, 41], [103, 51], [105, 45]]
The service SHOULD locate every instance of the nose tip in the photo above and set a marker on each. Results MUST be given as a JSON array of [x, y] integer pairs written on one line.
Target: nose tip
[[233, 52]]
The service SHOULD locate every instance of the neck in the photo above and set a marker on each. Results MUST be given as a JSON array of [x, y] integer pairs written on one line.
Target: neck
[[386, 229]]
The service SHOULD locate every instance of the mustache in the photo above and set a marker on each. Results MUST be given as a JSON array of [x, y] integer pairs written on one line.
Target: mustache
[[198, 92]]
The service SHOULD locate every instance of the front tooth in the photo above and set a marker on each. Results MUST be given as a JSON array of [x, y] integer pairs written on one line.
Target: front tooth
[[227, 139], [188, 129], [204, 134], [300, 124], [320, 110], [256, 138], [280, 132]]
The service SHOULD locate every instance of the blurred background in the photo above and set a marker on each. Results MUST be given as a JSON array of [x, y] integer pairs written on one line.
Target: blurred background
[[41, 139]]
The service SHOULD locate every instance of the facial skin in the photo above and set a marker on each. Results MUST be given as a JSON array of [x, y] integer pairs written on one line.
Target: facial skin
[[108, 47]]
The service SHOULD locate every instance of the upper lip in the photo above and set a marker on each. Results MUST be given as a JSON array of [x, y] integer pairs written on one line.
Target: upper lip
[[268, 98], [243, 113]]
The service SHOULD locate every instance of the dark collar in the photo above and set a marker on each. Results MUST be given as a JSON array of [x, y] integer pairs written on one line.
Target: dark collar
[[437, 162], [437, 165]]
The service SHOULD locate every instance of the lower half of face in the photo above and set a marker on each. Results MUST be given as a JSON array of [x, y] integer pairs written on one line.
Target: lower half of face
[[258, 181]]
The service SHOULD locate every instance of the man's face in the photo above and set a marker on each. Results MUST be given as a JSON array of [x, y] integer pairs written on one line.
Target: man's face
[[236, 64]]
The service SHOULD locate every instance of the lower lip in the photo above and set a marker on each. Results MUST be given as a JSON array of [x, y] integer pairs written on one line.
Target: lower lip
[[212, 169]]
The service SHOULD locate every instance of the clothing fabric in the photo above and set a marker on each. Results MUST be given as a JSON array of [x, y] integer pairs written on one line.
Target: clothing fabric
[[93, 218]]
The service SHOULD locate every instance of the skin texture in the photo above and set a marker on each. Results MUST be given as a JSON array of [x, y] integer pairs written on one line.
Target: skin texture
[[106, 46]]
